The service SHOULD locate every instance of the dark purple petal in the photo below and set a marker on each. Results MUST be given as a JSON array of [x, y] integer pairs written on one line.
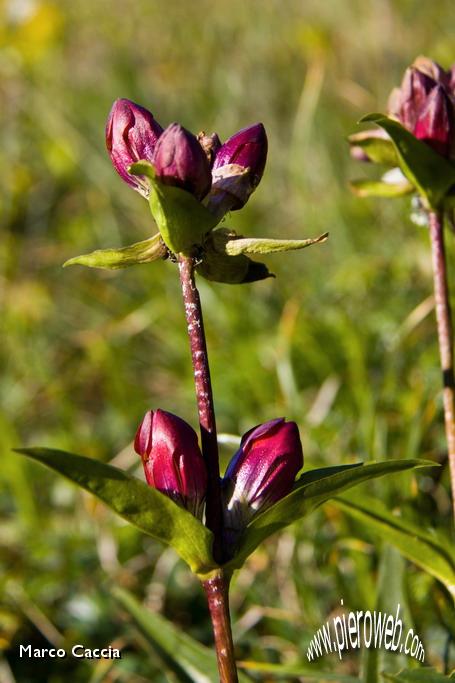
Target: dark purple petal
[[180, 160], [131, 135], [247, 148], [262, 471]]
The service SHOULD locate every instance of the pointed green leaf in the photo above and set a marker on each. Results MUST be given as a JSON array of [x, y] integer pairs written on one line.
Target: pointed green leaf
[[379, 188], [308, 495], [143, 506], [288, 671], [378, 148], [141, 252], [431, 173], [251, 245], [422, 675], [180, 651], [430, 551]]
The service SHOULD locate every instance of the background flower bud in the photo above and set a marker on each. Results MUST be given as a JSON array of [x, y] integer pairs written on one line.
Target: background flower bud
[[172, 460], [180, 160], [424, 104], [261, 472], [436, 122], [131, 135], [237, 169]]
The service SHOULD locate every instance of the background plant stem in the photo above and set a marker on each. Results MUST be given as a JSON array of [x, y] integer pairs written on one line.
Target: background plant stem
[[217, 592], [445, 334]]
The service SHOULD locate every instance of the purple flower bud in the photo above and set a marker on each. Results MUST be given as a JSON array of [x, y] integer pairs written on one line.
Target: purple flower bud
[[411, 97], [261, 472], [247, 148], [172, 460], [131, 135], [180, 160], [237, 169], [435, 125]]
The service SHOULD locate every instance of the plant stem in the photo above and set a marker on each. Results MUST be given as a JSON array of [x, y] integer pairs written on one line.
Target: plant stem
[[203, 385], [445, 334], [217, 592]]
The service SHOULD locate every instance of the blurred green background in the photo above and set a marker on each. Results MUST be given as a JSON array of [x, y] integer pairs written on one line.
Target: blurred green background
[[342, 341]]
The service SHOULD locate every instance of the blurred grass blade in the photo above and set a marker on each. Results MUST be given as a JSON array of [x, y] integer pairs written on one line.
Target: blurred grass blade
[[143, 506], [423, 675], [429, 551], [180, 651], [146, 251], [307, 496], [431, 173], [287, 671]]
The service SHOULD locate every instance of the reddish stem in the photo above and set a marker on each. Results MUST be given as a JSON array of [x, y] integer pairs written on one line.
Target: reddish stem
[[445, 335], [217, 592], [195, 324]]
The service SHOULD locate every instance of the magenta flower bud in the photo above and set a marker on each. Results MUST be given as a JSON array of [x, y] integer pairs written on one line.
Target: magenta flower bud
[[435, 125], [407, 102], [131, 135], [180, 160], [237, 169], [172, 460], [261, 472]]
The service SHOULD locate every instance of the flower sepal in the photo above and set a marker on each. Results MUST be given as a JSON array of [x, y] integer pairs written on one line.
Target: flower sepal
[[181, 219]]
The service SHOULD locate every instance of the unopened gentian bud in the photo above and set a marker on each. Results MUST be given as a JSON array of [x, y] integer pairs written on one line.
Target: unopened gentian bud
[[180, 160], [131, 135], [237, 169], [435, 124], [261, 472], [172, 460]]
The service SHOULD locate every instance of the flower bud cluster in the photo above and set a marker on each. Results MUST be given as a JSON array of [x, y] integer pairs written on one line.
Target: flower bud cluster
[[261, 472], [221, 175]]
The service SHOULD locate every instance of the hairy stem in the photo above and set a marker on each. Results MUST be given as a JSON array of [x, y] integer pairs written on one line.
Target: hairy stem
[[217, 592], [203, 385], [445, 334]]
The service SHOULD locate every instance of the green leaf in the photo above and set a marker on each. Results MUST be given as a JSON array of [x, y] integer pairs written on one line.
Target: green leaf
[[308, 495], [232, 270], [146, 251], [379, 188], [430, 551], [143, 506], [251, 245], [295, 670], [422, 675], [432, 174], [180, 651], [182, 221], [378, 149]]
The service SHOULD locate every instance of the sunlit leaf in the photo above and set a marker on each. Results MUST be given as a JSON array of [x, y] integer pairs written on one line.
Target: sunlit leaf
[[430, 551], [432, 174], [307, 496], [112, 259], [379, 188], [251, 245], [143, 506]]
